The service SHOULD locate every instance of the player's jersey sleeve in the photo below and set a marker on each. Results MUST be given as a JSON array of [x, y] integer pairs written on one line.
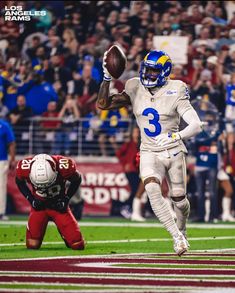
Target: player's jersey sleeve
[[23, 169], [65, 166], [131, 88], [183, 103]]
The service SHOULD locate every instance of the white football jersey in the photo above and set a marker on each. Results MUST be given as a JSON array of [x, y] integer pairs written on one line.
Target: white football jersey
[[158, 113]]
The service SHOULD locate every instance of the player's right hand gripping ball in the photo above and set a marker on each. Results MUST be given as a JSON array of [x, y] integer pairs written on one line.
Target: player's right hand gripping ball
[[114, 62]]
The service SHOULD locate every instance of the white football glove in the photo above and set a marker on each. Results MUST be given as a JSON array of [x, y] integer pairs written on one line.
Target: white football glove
[[107, 75], [167, 138]]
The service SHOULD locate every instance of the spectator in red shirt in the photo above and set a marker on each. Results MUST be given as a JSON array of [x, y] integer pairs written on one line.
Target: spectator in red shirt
[[86, 90], [50, 124]]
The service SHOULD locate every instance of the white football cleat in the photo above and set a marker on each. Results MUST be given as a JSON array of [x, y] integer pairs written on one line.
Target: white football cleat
[[125, 213], [228, 218], [180, 244], [137, 217]]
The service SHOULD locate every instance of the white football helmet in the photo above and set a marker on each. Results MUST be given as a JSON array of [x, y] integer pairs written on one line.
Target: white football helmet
[[43, 171]]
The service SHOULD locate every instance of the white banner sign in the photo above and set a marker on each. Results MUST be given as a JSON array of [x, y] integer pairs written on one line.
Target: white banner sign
[[176, 47]]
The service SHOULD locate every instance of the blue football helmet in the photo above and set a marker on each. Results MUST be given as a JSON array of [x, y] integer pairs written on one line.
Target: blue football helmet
[[161, 66]]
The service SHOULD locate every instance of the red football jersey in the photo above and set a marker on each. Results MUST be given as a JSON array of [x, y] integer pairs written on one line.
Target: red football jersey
[[64, 166]]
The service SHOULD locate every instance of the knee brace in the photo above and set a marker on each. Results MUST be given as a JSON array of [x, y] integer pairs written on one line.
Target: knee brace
[[178, 194], [178, 198], [182, 204]]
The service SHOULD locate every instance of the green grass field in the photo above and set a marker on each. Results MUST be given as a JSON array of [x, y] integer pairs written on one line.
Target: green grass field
[[110, 236]]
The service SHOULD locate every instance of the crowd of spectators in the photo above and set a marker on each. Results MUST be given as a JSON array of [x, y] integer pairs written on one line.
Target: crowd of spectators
[[51, 66]]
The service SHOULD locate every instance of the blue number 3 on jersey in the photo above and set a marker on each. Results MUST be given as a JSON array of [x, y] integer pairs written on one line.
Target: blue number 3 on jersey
[[153, 116]]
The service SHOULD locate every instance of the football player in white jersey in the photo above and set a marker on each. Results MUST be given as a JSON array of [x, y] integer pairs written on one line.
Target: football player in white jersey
[[158, 103]]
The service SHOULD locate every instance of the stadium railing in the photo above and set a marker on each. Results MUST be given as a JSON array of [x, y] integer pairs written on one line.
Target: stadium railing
[[82, 137]]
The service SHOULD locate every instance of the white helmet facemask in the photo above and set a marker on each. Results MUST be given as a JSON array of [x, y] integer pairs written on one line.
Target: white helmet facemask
[[43, 171]]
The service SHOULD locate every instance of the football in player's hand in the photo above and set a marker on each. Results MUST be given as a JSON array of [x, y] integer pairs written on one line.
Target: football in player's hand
[[115, 61]]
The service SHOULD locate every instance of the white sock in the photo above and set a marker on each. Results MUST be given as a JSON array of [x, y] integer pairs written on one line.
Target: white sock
[[207, 209], [182, 210], [136, 206], [161, 208], [226, 205], [172, 210]]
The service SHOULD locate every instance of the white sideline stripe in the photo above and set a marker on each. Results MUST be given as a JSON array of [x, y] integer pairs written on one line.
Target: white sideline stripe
[[101, 291], [105, 291], [120, 275], [150, 290], [121, 265], [86, 291], [77, 285], [128, 255], [107, 288], [232, 250], [137, 225], [150, 277], [127, 240]]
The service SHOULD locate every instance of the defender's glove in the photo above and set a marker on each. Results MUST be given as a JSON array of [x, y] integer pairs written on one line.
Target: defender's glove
[[167, 138], [38, 205], [107, 75], [62, 204]]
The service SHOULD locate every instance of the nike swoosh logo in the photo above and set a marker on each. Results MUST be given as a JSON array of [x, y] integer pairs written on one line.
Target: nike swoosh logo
[[176, 153]]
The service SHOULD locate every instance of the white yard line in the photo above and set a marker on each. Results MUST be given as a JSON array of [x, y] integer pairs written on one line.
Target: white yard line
[[109, 289], [131, 224], [120, 275], [149, 290], [127, 240], [59, 284], [129, 255]]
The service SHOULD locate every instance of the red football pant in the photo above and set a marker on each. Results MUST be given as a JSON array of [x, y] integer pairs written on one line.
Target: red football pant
[[66, 225]]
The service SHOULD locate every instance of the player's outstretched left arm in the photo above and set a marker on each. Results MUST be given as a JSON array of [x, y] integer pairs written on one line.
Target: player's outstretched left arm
[[106, 101]]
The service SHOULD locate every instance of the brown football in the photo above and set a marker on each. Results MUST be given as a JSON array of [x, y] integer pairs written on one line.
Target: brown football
[[115, 61]]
